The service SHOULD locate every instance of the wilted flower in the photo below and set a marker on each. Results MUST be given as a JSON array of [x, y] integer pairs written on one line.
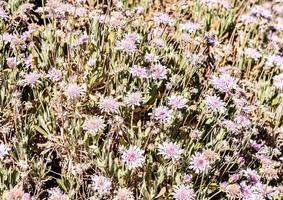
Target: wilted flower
[[170, 151], [133, 157], [15, 193], [190, 26], [183, 192], [109, 105], [233, 190], [252, 53]]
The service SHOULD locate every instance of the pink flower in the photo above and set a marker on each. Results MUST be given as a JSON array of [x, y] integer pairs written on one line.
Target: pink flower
[[224, 83], [134, 37], [164, 18], [94, 124], [251, 175], [195, 135], [158, 43], [26, 196], [183, 192], [133, 157], [31, 78], [252, 53], [177, 102], [190, 26], [127, 46], [278, 81], [109, 105], [124, 194], [91, 62], [133, 99], [242, 120], [101, 184], [215, 103], [187, 179], [54, 74], [139, 71], [158, 72], [170, 151], [57, 194], [162, 114], [199, 163], [12, 62], [74, 91], [150, 57]]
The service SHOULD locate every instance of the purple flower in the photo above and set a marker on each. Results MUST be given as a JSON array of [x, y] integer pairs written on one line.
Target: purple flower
[[177, 102], [12, 62], [252, 53], [199, 163], [278, 81], [150, 57], [158, 72], [109, 105], [56, 193], [3, 150], [26, 196], [164, 18], [101, 184], [242, 121], [126, 45], [31, 78], [162, 114], [170, 151], [251, 175], [74, 91], [55, 74], [190, 26], [183, 192], [133, 99], [139, 71], [94, 124], [133, 157], [215, 103], [224, 83]]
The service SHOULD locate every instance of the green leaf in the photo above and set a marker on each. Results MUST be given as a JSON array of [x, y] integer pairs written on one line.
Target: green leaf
[[40, 130]]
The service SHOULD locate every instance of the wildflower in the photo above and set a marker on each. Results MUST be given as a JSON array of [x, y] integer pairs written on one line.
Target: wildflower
[[251, 175], [94, 124], [124, 194], [15, 193], [91, 62], [278, 81], [163, 18], [134, 37], [139, 71], [170, 151], [150, 57], [224, 83], [139, 10], [81, 40], [133, 157], [187, 179], [215, 103], [74, 91], [242, 120], [158, 72], [233, 190], [133, 99], [269, 172], [54, 74], [177, 102], [195, 135], [183, 192], [109, 105], [199, 163], [127, 46], [162, 114], [252, 53], [31, 78], [26, 196], [57, 194], [190, 26], [3, 150], [12, 62], [158, 43], [210, 155], [101, 184], [229, 125]]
